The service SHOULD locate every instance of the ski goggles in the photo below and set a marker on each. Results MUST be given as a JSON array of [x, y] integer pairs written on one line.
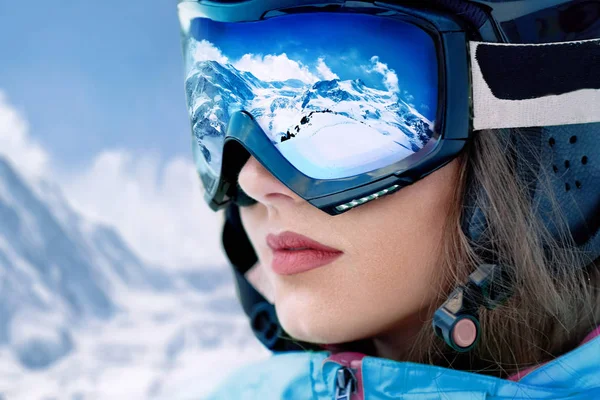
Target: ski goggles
[[347, 102]]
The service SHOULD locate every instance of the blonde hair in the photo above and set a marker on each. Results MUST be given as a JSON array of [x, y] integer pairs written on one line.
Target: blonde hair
[[554, 304]]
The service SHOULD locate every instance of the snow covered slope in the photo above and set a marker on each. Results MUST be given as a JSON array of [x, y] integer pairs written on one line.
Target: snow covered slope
[[82, 317]]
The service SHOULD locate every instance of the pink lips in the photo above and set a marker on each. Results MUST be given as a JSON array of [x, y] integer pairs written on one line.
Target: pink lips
[[294, 253]]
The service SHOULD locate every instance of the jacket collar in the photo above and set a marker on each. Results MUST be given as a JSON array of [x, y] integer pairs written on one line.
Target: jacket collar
[[575, 375]]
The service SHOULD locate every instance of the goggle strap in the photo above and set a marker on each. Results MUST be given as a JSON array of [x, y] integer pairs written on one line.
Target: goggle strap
[[532, 85]]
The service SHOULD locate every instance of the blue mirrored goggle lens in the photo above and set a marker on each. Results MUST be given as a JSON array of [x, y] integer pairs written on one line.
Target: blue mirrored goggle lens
[[338, 94]]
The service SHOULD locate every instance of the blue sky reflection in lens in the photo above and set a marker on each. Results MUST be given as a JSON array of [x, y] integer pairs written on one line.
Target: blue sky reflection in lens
[[338, 94]]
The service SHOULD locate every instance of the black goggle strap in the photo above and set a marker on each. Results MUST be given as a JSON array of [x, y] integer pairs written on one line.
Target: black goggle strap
[[527, 85]]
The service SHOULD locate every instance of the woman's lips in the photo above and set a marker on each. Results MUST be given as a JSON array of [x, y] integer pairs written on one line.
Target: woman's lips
[[294, 253]]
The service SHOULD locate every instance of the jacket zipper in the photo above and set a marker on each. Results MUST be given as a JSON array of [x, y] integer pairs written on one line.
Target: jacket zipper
[[345, 384]]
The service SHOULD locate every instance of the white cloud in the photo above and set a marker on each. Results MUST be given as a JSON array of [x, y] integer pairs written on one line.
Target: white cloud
[[159, 209], [267, 68], [17, 145], [275, 68], [206, 51], [156, 206], [325, 71], [390, 79]]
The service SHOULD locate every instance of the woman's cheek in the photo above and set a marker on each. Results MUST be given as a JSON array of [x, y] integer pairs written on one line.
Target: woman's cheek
[[385, 276]]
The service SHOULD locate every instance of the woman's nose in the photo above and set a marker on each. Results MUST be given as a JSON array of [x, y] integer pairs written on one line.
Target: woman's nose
[[263, 187]]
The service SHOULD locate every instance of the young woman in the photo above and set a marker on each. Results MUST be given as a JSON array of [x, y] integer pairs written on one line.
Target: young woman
[[412, 192]]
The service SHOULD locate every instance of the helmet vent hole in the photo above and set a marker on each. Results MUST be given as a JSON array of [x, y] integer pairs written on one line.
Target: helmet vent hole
[[567, 164], [573, 139], [584, 160], [551, 142], [567, 187], [555, 169], [578, 184]]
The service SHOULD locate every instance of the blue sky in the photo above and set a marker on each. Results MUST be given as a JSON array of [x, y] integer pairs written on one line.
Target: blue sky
[[346, 45], [91, 75]]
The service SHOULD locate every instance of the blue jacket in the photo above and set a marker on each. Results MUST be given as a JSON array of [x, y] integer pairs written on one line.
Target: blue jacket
[[312, 376]]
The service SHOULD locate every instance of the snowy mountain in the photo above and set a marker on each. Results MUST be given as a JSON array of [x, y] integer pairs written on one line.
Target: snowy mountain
[[368, 122], [82, 316]]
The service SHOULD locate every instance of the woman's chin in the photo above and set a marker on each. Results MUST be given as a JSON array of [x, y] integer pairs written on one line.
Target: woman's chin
[[318, 332], [321, 326]]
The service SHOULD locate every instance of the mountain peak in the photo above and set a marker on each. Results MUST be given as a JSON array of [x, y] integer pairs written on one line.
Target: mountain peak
[[326, 85], [213, 65]]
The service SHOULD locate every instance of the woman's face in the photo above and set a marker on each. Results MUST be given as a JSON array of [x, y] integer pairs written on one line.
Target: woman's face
[[384, 277]]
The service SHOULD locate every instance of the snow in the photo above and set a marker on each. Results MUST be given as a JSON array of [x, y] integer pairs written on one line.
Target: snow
[[334, 146], [200, 100], [38, 340], [133, 357], [81, 317], [19, 265]]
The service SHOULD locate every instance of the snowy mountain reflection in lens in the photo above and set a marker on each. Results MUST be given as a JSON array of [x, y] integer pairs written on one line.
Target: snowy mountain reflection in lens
[[327, 118]]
